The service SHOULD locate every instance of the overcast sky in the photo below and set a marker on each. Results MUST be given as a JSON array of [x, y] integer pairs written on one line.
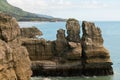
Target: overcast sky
[[101, 10]]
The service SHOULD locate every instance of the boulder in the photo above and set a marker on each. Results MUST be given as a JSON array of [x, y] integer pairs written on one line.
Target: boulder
[[73, 30]]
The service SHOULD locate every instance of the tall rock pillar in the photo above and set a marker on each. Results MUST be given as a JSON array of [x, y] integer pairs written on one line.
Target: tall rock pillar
[[96, 58], [73, 30]]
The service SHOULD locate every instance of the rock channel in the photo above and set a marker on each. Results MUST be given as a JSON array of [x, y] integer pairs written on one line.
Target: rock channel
[[70, 55]]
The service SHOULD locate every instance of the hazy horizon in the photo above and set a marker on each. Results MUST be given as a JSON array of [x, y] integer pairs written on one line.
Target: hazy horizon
[[90, 10]]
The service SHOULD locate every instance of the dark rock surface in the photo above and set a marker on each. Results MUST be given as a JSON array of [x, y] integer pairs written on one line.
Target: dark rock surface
[[60, 43], [14, 58], [73, 30], [30, 32], [70, 56]]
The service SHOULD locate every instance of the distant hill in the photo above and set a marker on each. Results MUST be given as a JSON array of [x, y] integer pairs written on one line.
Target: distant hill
[[21, 15]]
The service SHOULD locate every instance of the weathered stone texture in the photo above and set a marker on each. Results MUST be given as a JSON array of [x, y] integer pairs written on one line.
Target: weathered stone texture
[[70, 56], [30, 32], [73, 30], [9, 28], [14, 58], [94, 54]]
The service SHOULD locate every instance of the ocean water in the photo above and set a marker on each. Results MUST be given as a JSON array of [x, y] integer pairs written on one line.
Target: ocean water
[[110, 33]]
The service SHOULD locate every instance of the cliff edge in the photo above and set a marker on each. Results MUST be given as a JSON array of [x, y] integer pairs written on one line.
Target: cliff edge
[[14, 58]]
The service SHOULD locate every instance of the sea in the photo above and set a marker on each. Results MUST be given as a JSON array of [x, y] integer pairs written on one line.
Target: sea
[[110, 32]]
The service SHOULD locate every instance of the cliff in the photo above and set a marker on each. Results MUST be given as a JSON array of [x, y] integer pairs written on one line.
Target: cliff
[[70, 55], [95, 56], [14, 58], [66, 56]]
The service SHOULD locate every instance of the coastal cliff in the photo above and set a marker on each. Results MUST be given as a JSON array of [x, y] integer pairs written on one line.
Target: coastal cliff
[[96, 58], [14, 58], [70, 55]]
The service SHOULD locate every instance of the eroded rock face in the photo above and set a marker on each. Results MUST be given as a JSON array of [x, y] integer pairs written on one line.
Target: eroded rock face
[[9, 28], [22, 63], [30, 32], [73, 30], [75, 51], [61, 42], [39, 49], [65, 55], [7, 71], [70, 56], [14, 58], [95, 55]]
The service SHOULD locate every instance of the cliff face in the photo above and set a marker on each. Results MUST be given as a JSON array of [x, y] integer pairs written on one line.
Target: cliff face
[[95, 55], [70, 56], [14, 59], [9, 28], [39, 49]]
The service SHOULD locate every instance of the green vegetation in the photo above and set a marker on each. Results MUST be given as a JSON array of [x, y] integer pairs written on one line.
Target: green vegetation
[[21, 15]]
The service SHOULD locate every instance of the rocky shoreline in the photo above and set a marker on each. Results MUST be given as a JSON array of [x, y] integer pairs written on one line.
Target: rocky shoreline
[[69, 55]]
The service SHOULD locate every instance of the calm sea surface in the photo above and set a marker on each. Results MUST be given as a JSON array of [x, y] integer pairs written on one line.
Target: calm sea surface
[[111, 35]]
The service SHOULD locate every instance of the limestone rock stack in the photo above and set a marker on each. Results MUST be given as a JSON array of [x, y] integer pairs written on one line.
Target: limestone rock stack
[[14, 58], [60, 43], [96, 57], [71, 55], [73, 38], [73, 30], [66, 56]]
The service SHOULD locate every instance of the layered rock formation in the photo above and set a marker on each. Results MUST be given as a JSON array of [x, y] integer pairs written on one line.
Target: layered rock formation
[[66, 56], [14, 58], [96, 57], [30, 32], [56, 58], [60, 43], [70, 56], [73, 30], [39, 49]]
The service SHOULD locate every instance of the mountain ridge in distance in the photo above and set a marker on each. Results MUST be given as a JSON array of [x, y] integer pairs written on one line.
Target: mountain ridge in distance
[[22, 15]]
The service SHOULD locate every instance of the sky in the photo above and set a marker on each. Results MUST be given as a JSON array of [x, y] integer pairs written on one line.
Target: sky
[[90, 10]]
